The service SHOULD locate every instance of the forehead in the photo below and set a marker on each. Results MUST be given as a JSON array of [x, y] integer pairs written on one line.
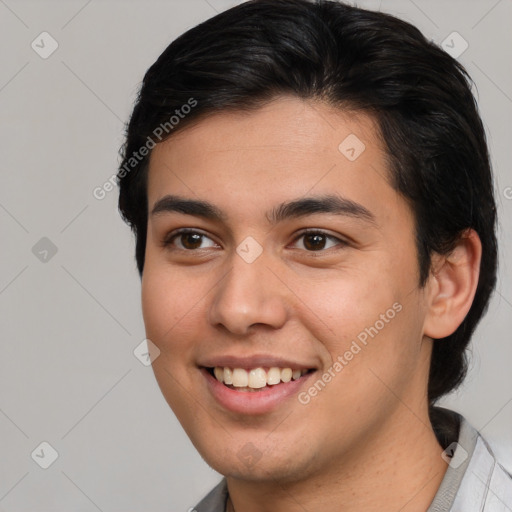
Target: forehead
[[284, 124], [284, 150]]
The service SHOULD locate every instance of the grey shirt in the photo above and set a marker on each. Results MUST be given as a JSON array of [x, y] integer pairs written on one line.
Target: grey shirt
[[473, 482]]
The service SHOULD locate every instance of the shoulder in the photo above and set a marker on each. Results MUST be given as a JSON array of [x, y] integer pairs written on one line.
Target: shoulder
[[475, 481], [487, 485], [215, 500]]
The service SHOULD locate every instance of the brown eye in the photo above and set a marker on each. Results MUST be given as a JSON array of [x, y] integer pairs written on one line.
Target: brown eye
[[189, 241], [314, 241], [318, 241]]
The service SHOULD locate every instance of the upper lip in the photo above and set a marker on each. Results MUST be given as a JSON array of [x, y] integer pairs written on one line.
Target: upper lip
[[255, 361]]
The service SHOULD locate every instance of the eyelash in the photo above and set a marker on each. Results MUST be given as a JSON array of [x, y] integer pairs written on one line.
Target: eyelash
[[168, 241]]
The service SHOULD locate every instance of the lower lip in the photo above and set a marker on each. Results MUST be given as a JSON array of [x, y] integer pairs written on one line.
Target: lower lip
[[253, 402]]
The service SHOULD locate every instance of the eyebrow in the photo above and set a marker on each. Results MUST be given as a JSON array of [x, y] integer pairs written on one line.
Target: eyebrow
[[194, 207], [292, 209], [324, 204]]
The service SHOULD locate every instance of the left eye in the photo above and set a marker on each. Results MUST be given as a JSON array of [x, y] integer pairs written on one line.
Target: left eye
[[190, 240], [318, 241]]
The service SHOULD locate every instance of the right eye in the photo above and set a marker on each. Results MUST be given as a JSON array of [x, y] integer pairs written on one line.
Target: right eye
[[188, 240]]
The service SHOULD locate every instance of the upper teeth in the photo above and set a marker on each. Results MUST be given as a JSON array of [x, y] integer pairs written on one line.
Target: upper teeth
[[257, 377]]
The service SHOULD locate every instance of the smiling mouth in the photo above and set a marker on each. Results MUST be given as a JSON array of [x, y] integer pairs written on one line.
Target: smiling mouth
[[256, 379]]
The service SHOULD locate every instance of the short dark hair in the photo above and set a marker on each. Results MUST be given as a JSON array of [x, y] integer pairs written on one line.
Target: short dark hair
[[352, 59]]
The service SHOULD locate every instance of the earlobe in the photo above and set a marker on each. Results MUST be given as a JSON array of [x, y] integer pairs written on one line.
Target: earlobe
[[452, 285]]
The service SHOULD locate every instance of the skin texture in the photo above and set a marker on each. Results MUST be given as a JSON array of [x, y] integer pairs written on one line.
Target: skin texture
[[364, 442]]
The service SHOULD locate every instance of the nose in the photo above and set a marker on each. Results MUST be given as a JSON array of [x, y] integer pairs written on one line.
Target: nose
[[250, 294]]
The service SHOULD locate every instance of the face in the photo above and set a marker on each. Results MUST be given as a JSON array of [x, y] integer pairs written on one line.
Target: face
[[280, 260]]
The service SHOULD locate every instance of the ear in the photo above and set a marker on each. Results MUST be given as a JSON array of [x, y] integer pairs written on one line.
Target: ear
[[452, 285]]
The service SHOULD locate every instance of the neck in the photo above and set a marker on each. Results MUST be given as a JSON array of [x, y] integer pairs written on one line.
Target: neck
[[397, 468]]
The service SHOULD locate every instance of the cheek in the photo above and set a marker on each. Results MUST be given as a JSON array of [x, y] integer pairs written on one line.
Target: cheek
[[168, 306], [375, 330], [371, 320], [156, 305], [344, 305], [373, 344]]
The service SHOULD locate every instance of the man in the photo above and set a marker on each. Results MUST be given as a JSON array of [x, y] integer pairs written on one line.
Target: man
[[310, 189]]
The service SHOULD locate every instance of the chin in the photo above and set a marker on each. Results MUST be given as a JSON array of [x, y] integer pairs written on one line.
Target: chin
[[257, 462]]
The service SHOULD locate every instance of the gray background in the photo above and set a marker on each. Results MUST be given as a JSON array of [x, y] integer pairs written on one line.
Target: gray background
[[71, 320]]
